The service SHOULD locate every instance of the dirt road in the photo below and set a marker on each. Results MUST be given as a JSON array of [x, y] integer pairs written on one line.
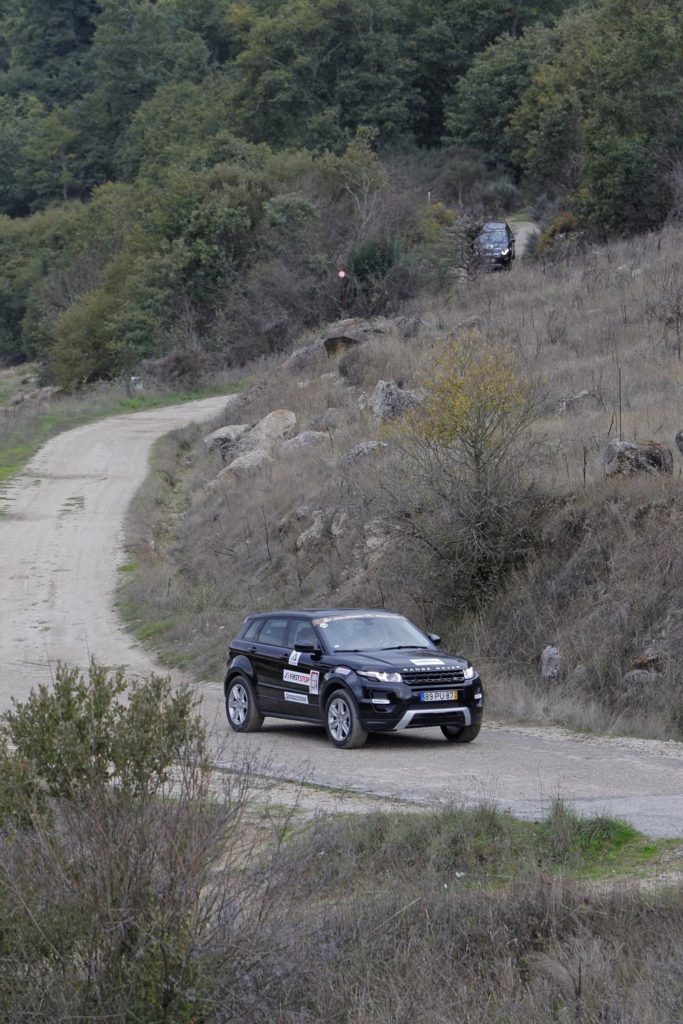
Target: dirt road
[[60, 544]]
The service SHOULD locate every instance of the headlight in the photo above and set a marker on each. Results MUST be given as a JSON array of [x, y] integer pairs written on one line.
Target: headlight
[[383, 677], [470, 672]]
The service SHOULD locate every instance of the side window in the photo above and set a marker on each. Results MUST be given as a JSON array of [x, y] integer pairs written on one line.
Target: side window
[[252, 629], [274, 632], [302, 633]]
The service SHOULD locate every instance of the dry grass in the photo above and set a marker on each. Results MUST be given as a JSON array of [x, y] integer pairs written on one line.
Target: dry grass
[[606, 576]]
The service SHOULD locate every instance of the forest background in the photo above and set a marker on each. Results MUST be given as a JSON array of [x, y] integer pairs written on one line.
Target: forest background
[[180, 180]]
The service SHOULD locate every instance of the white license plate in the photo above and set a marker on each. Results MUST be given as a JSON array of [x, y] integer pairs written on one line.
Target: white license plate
[[429, 695]]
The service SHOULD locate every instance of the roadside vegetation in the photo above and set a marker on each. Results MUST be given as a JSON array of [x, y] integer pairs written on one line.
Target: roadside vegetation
[[136, 884]]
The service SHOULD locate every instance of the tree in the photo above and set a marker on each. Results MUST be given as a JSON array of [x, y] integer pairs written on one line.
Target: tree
[[49, 42], [461, 491]]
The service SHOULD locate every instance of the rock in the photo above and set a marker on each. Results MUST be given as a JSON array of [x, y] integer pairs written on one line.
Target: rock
[[628, 459], [304, 358], [346, 334], [640, 677], [362, 402], [390, 401], [679, 441], [245, 465], [312, 537], [328, 420], [269, 432], [365, 448], [550, 663], [570, 403], [650, 660], [580, 675], [306, 439], [225, 437]]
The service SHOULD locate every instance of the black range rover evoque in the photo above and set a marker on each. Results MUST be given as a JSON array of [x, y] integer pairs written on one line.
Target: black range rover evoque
[[354, 670]]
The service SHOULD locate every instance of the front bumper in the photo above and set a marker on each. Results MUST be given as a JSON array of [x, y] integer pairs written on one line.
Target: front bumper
[[412, 713]]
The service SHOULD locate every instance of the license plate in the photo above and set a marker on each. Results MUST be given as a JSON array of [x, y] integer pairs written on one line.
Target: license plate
[[430, 695]]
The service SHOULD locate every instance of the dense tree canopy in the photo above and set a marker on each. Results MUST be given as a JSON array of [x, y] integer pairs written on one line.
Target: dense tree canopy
[[190, 172]]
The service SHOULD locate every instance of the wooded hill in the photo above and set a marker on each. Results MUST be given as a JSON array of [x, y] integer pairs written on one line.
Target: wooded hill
[[186, 176]]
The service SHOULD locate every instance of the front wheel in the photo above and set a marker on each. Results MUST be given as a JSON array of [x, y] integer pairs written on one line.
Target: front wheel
[[460, 734], [342, 722], [240, 706]]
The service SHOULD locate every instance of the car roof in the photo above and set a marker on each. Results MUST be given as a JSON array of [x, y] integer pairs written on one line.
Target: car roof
[[310, 613], [493, 224]]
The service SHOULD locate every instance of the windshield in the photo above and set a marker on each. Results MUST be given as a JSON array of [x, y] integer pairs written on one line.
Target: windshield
[[380, 631], [496, 236]]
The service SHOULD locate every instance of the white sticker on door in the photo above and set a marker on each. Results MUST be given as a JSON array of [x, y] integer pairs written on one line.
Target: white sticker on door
[[302, 678], [296, 698], [294, 657], [313, 682]]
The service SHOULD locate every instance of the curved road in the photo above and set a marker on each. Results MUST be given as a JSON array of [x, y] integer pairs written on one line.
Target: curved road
[[61, 533]]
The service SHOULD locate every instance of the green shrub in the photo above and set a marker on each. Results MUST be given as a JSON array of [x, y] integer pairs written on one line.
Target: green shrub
[[79, 734]]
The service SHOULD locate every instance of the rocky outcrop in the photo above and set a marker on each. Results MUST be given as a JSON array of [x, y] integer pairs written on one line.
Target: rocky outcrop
[[389, 401], [679, 441], [343, 335], [628, 459]]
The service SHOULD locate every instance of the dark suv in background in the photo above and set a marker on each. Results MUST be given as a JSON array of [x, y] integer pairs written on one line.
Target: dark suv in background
[[495, 245], [352, 670]]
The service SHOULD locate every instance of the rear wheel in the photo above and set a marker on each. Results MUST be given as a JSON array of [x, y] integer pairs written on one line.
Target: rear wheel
[[342, 722], [240, 705], [460, 734]]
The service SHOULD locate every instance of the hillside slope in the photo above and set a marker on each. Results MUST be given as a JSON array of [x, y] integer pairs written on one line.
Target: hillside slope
[[585, 563]]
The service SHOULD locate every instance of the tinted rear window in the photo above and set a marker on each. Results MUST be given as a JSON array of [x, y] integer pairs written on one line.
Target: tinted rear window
[[274, 632]]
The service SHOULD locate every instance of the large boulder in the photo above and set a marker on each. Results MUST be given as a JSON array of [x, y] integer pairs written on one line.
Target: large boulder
[[225, 438], [270, 432], [628, 459], [248, 464], [346, 334]]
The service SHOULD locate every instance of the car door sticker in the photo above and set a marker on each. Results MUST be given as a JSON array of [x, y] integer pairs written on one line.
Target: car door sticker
[[294, 657], [302, 678], [341, 671], [296, 698], [313, 682], [428, 661]]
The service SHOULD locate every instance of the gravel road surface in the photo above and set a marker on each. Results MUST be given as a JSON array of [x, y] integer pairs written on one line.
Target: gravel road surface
[[61, 533]]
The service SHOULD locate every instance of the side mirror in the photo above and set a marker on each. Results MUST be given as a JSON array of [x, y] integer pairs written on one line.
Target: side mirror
[[306, 648], [435, 638]]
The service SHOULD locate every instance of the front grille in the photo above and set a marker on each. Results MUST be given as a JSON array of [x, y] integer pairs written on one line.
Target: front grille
[[418, 679]]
